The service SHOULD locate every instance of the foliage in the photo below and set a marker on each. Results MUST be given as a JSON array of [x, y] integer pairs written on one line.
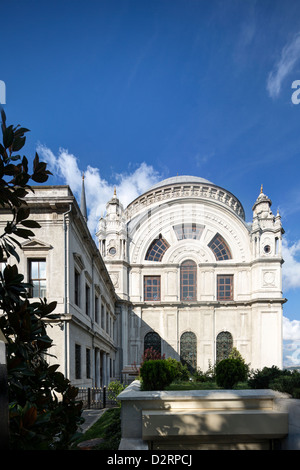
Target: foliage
[[180, 371], [260, 379], [14, 179], [151, 354], [43, 410], [108, 427], [208, 376], [235, 354], [112, 431], [287, 382], [284, 381], [157, 374], [114, 389], [229, 372]]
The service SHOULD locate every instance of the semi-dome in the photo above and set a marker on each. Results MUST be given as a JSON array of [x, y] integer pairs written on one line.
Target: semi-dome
[[180, 179]]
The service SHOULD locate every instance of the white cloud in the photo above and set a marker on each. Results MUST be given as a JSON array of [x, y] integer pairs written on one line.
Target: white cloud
[[98, 191], [289, 56], [291, 342], [291, 266], [291, 329]]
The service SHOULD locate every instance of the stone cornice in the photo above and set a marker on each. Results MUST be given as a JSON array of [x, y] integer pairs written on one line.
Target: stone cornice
[[209, 303], [202, 191]]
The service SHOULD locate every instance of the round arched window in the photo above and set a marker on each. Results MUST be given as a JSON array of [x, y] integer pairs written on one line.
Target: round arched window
[[188, 350], [152, 340], [224, 345]]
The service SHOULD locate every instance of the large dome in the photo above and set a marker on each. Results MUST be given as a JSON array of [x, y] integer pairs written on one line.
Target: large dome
[[182, 187], [180, 179]]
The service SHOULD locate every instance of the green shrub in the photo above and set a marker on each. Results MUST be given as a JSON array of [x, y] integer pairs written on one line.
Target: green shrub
[[287, 382], [208, 376], [113, 390], [157, 374], [179, 371], [260, 379], [229, 372]]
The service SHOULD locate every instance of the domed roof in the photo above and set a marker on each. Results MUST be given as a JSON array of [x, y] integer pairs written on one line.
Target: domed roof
[[180, 179], [194, 186]]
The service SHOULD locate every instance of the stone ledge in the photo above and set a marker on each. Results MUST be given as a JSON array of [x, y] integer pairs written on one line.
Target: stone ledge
[[203, 418], [251, 423]]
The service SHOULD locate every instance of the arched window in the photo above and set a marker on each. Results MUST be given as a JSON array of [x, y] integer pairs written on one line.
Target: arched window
[[188, 231], [220, 248], [188, 280], [152, 340], [224, 345], [188, 350], [157, 249]]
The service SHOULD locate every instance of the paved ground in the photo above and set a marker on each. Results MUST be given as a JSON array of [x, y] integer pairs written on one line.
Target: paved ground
[[90, 417]]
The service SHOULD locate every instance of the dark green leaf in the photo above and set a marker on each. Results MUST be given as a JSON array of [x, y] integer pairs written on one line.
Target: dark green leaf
[[24, 233], [23, 213], [8, 136], [30, 224], [18, 143]]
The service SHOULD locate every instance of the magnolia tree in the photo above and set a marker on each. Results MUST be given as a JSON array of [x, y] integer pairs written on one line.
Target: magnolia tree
[[43, 410]]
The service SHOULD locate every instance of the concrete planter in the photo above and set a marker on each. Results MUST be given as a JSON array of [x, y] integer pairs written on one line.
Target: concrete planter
[[207, 419]]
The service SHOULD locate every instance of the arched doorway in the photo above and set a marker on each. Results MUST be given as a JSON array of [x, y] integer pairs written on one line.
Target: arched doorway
[[188, 350]]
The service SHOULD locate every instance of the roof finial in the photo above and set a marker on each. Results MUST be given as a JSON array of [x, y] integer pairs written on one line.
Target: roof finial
[[83, 175], [115, 191], [261, 189]]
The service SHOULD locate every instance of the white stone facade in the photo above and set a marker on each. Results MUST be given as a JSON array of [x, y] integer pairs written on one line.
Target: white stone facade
[[231, 300], [86, 337], [178, 269]]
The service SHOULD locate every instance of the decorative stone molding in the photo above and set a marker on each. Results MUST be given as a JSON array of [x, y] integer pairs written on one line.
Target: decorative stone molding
[[187, 190]]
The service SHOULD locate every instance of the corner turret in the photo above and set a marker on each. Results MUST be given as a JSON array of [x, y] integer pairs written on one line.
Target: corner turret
[[266, 230]]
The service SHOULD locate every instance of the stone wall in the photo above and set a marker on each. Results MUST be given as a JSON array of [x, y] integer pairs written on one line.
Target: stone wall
[[208, 419]]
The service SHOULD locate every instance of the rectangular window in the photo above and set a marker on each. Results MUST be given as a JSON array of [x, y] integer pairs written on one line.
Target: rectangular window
[[102, 316], [225, 287], [87, 299], [77, 288], [37, 277], [77, 361], [96, 309], [152, 288], [188, 281], [88, 363]]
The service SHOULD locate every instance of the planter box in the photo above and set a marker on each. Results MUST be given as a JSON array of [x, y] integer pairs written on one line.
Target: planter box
[[202, 419]]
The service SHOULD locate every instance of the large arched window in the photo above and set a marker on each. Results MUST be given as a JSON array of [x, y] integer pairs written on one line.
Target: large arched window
[[188, 280], [188, 350], [220, 248], [152, 340], [157, 249], [224, 345]]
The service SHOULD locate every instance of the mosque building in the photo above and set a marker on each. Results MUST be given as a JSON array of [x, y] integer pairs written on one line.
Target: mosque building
[[193, 278], [179, 270]]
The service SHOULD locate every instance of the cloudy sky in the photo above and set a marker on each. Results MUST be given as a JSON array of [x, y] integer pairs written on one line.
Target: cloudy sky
[[133, 91]]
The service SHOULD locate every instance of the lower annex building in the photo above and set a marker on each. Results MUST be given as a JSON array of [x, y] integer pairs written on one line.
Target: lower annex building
[[179, 269]]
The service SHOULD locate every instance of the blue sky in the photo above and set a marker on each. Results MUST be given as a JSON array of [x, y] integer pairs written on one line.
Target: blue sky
[[131, 92]]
